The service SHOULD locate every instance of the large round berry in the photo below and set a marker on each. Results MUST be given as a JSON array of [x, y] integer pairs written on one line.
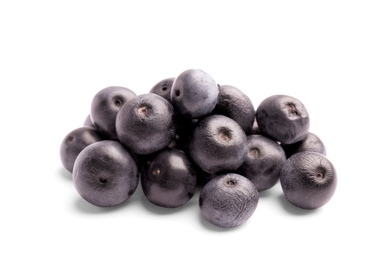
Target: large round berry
[[308, 180], [218, 144], [283, 118], [194, 93], [169, 179], [74, 142], [146, 124], [105, 106], [262, 162], [105, 174], [228, 200]]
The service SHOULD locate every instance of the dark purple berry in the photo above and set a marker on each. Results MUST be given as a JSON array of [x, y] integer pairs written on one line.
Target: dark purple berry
[[146, 124], [263, 162], [308, 180], [169, 180], [105, 106], [218, 144], [105, 174], [228, 200], [283, 118], [194, 93]]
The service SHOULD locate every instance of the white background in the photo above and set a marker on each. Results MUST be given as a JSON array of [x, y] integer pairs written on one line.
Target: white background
[[54, 56]]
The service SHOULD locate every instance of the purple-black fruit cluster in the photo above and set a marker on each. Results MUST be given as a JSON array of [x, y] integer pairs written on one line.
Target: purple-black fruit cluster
[[191, 133]]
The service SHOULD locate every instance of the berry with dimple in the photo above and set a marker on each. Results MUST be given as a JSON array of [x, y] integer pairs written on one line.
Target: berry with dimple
[[228, 200], [263, 162], [308, 180], [105, 106], [194, 93], [146, 124], [283, 118], [218, 144]]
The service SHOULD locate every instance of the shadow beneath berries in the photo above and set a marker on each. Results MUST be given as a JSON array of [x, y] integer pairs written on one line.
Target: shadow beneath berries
[[293, 209], [65, 174]]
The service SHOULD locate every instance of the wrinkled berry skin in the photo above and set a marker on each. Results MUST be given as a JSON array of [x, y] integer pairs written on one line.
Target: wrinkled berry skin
[[263, 162], [105, 174], [169, 180], [228, 200], [311, 143], [146, 124], [233, 103], [105, 106], [218, 145], [283, 118], [194, 93], [163, 88], [308, 180], [74, 142]]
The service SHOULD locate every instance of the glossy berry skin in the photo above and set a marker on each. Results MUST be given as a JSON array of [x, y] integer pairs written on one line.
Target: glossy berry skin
[[163, 88], [263, 162], [105, 106], [311, 143], [218, 144], [169, 180], [283, 118], [308, 180], [228, 200], [146, 124], [105, 174], [74, 142], [194, 93], [233, 103]]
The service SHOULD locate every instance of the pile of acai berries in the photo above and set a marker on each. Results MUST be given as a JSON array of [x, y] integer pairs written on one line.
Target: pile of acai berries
[[189, 132]]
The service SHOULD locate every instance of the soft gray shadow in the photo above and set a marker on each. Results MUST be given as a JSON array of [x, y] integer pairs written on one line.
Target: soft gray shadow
[[214, 228], [65, 174], [290, 208], [87, 208]]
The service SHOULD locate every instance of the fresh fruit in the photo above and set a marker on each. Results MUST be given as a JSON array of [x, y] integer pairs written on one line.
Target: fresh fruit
[[283, 118], [308, 180], [105, 174], [169, 180], [105, 106], [146, 124], [74, 142], [263, 161], [190, 133], [311, 143], [233, 103], [194, 93], [228, 200], [218, 144], [163, 88]]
